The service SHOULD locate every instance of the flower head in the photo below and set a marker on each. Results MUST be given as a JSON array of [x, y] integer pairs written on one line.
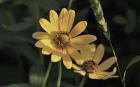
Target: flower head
[[61, 39], [92, 66]]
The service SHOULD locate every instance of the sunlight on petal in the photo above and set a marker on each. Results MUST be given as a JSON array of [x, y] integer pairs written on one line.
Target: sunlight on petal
[[39, 44], [81, 72], [55, 58], [76, 67], [67, 61], [46, 51], [95, 76]]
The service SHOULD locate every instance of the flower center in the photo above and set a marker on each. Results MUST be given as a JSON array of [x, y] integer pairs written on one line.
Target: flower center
[[61, 39], [88, 66]]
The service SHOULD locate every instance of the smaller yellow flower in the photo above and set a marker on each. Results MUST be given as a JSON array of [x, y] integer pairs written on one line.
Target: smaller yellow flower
[[92, 66]]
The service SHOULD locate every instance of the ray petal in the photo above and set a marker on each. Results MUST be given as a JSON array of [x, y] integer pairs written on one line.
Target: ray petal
[[83, 39], [107, 64], [78, 28], [99, 54]]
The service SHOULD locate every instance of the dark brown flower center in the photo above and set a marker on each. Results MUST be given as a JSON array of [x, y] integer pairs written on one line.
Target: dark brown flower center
[[61, 39], [88, 66]]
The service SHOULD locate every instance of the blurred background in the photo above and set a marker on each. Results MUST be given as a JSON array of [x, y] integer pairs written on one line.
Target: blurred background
[[21, 64]]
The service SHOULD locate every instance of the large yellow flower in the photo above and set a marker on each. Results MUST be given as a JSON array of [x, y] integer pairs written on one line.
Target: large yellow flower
[[92, 66], [61, 39]]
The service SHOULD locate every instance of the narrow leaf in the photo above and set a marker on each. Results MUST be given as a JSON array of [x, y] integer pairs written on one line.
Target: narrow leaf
[[130, 64]]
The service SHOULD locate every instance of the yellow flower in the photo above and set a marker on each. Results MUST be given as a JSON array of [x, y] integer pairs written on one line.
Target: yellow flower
[[92, 66], [61, 39]]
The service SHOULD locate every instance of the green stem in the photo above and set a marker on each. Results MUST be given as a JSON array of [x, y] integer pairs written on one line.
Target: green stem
[[70, 4], [124, 79], [123, 82], [47, 75], [59, 75], [83, 81]]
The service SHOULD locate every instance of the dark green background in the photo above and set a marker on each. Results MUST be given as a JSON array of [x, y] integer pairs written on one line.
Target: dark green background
[[21, 62]]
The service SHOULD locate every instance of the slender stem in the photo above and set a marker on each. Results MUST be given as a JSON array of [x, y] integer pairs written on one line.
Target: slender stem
[[123, 82], [83, 81], [47, 75], [70, 4], [59, 75], [124, 79]]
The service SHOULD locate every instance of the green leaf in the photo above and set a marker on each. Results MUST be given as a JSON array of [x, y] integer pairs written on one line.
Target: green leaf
[[130, 64], [120, 20], [36, 75], [19, 85]]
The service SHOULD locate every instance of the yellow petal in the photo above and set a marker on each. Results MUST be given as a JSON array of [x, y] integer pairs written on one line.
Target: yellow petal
[[63, 19], [102, 74], [75, 55], [81, 72], [87, 51], [39, 44], [71, 16], [47, 42], [99, 54], [87, 55], [67, 61], [45, 24], [111, 74], [54, 18], [107, 64], [40, 35], [78, 28], [46, 51], [75, 67], [89, 47], [83, 39], [55, 58], [95, 76]]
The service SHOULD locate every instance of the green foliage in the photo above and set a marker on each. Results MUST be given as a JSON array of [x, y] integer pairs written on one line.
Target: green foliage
[[132, 62]]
